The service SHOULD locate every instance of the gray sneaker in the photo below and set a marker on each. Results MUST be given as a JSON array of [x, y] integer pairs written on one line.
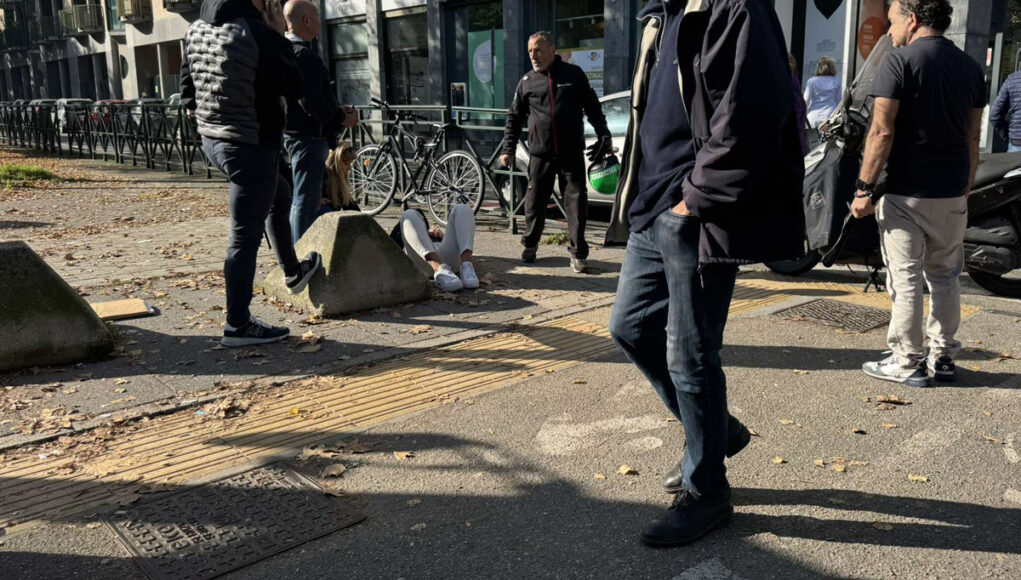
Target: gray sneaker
[[579, 265], [890, 369]]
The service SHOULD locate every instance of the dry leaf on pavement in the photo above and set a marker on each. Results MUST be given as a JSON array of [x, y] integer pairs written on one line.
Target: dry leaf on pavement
[[859, 432], [889, 426], [404, 455], [786, 422], [819, 463], [579, 382], [417, 527], [992, 439], [892, 399], [918, 478], [335, 470], [421, 329], [626, 470], [414, 502], [599, 476], [801, 372], [121, 381], [885, 407], [779, 460], [882, 526]]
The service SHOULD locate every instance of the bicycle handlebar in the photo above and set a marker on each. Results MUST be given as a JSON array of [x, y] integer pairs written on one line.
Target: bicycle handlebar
[[378, 102]]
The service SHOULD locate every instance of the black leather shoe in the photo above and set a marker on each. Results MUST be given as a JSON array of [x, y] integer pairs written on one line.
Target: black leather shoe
[[737, 439], [688, 519]]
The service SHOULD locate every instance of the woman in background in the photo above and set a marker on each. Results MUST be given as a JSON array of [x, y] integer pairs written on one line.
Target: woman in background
[[822, 92]]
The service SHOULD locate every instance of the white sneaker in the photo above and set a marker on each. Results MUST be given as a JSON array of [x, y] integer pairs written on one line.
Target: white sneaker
[[469, 278], [890, 369], [447, 280]]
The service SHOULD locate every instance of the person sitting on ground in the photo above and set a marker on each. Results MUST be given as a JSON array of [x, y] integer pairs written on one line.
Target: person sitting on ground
[[441, 256]]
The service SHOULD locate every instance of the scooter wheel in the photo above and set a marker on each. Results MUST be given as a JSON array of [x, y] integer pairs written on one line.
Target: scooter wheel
[[1009, 287]]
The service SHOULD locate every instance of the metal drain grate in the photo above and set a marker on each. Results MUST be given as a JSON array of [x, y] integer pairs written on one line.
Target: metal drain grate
[[213, 529], [850, 317]]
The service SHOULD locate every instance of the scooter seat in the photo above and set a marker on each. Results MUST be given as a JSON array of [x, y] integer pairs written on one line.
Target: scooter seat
[[992, 167]]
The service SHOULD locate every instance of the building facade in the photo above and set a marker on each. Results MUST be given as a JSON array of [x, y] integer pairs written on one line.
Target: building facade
[[464, 52]]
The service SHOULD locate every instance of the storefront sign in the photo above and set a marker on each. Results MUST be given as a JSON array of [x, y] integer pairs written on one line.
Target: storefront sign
[[342, 8], [824, 35], [591, 61], [873, 27], [485, 87]]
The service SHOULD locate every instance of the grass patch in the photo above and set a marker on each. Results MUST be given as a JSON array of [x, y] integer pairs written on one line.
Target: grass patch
[[12, 174], [555, 239]]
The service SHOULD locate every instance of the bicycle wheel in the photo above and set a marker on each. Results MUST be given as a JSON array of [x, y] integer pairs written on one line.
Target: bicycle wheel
[[373, 179], [456, 178]]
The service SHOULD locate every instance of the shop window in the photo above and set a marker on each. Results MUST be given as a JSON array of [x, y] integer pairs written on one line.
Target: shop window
[[349, 58], [407, 40], [580, 33], [477, 71]]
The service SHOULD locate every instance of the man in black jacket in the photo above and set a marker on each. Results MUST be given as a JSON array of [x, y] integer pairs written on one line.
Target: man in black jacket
[[237, 67], [553, 97], [711, 178], [308, 117]]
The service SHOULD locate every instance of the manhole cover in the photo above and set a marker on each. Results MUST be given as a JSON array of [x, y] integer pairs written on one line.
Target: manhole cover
[[228, 524], [851, 317]]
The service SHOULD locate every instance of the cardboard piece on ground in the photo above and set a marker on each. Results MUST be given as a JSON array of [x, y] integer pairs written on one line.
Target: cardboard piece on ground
[[122, 309], [362, 269]]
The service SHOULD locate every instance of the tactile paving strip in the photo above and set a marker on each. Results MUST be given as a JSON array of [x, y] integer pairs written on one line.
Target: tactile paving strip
[[850, 317], [210, 530]]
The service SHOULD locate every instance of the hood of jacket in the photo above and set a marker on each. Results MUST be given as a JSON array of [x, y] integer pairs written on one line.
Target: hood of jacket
[[216, 12]]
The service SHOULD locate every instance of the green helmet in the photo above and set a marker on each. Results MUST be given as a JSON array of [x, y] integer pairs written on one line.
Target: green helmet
[[603, 175]]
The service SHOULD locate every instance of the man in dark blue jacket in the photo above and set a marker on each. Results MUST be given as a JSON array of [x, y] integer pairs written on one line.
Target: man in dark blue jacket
[[711, 178], [1005, 115], [308, 117], [237, 67]]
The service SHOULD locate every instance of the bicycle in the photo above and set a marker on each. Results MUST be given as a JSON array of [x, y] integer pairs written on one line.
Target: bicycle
[[454, 178]]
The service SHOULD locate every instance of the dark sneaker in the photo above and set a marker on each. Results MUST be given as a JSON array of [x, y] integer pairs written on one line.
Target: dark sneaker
[[738, 437], [943, 369], [306, 269], [890, 369], [528, 255], [579, 265], [688, 519], [255, 332]]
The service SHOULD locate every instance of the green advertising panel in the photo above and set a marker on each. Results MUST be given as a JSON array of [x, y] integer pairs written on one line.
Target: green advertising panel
[[485, 74]]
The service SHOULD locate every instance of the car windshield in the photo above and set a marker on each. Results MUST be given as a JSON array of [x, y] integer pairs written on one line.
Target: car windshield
[[617, 116]]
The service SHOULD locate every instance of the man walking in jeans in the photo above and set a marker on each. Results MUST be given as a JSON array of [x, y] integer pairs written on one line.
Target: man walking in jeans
[[552, 98], [711, 178], [926, 123], [236, 69]]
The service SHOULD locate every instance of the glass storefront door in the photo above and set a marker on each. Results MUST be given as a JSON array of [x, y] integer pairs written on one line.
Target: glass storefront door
[[477, 70], [579, 28], [349, 57]]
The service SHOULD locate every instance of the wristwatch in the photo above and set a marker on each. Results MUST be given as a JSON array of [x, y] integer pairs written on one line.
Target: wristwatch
[[865, 186]]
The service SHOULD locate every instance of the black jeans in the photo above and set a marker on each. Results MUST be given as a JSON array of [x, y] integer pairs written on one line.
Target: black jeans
[[260, 201], [541, 175], [668, 318]]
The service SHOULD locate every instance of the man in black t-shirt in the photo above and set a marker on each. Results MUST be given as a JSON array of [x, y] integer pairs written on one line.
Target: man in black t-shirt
[[927, 117]]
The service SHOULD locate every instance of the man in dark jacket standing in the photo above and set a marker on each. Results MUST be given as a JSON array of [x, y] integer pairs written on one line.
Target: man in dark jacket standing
[[711, 178], [236, 69], [1005, 115], [552, 98], [308, 117]]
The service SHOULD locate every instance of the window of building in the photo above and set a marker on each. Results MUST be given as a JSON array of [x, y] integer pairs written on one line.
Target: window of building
[[477, 70], [113, 17], [580, 33], [349, 59], [407, 43]]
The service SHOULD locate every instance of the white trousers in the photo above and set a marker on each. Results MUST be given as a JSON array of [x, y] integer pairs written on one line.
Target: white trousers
[[460, 236]]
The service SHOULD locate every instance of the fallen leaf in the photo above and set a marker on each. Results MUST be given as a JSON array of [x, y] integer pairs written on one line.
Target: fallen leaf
[[819, 463], [751, 432], [839, 467], [421, 329], [404, 455], [93, 525], [414, 502], [889, 426], [992, 439], [892, 399], [801, 372], [294, 411], [882, 526], [335, 470], [124, 400], [120, 390], [311, 337], [987, 413], [778, 460], [626, 470], [786, 422], [599, 476], [418, 527], [121, 381], [975, 368], [579, 382], [866, 400], [858, 431], [918, 478], [885, 407]]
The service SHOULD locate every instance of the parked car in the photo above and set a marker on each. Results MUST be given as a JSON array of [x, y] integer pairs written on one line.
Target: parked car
[[71, 113], [617, 108], [174, 100], [136, 106], [101, 110], [38, 105]]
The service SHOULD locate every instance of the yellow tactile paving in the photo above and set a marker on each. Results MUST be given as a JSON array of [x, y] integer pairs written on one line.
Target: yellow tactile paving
[[182, 448]]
